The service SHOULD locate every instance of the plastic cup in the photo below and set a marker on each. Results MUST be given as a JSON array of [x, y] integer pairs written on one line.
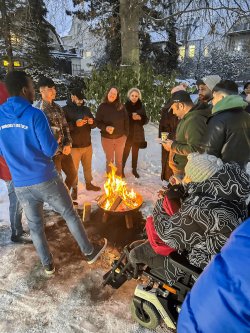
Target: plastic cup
[[164, 136]]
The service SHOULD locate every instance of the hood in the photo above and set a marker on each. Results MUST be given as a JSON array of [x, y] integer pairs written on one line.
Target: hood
[[14, 107], [71, 104], [229, 102], [230, 183]]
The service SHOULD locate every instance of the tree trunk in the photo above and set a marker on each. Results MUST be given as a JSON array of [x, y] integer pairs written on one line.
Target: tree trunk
[[130, 11], [7, 35]]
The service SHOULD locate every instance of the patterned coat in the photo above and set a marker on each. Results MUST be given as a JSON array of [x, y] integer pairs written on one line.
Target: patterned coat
[[212, 210]]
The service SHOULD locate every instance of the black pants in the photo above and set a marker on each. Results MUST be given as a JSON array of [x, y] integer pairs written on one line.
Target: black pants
[[135, 151], [65, 163]]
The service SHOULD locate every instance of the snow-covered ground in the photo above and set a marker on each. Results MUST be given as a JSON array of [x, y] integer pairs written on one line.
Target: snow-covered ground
[[72, 300]]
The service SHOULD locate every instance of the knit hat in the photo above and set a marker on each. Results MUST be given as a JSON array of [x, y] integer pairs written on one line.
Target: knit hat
[[200, 167], [211, 80]]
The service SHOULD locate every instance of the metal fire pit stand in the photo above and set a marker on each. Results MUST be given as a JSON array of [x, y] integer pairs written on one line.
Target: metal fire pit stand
[[128, 217]]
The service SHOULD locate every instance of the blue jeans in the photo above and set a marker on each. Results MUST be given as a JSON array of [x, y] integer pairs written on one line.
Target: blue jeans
[[15, 211], [55, 193]]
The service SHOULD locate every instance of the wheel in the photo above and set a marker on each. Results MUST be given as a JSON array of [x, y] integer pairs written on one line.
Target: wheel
[[150, 318]]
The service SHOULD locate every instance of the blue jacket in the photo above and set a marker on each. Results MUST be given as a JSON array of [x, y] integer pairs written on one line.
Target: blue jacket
[[219, 302], [26, 142]]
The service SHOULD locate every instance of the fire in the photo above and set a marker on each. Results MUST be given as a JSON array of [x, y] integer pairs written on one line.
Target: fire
[[117, 194]]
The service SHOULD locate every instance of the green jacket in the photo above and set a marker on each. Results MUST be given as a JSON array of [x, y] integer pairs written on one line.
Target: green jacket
[[189, 134]]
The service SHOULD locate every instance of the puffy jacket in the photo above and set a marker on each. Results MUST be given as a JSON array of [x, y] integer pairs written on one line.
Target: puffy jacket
[[189, 134], [228, 131], [219, 302], [81, 136], [26, 142]]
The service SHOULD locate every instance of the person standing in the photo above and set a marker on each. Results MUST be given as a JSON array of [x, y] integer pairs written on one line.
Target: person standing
[[62, 159], [80, 121], [33, 172], [136, 138], [112, 119]]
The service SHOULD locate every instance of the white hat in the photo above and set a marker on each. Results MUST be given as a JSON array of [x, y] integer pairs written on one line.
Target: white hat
[[200, 167], [211, 81]]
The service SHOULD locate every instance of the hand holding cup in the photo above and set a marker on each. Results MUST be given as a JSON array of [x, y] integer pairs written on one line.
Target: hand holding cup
[[110, 129]]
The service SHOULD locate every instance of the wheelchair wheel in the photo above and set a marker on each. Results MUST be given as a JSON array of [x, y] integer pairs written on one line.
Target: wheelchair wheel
[[147, 316]]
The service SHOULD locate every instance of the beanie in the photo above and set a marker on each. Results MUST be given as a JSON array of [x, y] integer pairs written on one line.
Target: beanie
[[211, 80], [200, 167]]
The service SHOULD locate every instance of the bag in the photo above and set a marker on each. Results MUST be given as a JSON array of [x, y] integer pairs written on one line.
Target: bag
[[156, 243]]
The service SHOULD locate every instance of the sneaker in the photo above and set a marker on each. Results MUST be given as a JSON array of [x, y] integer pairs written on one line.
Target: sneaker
[[24, 238], [91, 187], [98, 250], [49, 269], [135, 173], [74, 194]]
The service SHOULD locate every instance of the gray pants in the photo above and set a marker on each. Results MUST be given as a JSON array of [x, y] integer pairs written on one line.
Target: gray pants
[[113, 149], [83, 155]]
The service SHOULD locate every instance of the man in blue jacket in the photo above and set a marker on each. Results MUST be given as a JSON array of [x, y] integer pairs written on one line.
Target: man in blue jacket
[[219, 302], [28, 145]]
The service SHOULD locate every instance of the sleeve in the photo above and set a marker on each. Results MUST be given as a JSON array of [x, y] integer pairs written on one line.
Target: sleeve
[[215, 138], [144, 119], [193, 136], [99, 119], [126, 121], [67, 141], [44, 134]]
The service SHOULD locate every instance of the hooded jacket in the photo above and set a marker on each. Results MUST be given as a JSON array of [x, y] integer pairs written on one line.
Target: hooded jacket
[[189, 134], [228, 131], [26, 142], [223, 285], [212, 210], [81, 136]]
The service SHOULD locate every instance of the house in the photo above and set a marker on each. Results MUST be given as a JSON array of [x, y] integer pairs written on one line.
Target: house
[[87, 45]]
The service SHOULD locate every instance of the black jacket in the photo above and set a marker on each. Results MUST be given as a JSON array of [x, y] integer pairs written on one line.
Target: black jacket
[[228, 136], [108, 115], [81, 136], [136, 130]]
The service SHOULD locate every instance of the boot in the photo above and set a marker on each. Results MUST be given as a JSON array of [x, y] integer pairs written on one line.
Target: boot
[[74, 194], [135, 173], [91, 187]]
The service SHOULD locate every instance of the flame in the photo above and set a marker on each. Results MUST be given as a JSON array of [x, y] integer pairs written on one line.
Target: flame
[[115, 186]]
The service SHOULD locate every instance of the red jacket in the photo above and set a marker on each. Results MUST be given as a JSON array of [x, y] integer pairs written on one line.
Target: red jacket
[[4, 170]]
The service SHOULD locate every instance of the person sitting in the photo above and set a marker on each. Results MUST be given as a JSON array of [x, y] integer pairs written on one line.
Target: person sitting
[[214, 207]]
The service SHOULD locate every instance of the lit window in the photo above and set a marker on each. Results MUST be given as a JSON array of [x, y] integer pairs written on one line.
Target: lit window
[[5, 63], [191, 51], [88, 54], [17, 63], [182, 52]]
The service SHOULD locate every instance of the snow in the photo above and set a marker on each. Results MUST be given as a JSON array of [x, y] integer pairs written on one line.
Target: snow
[[72, 300]]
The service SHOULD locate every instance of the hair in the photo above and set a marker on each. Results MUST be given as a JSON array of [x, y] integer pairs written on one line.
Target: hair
[[45, 82], [117, 102], [136, 90], [200, 82], [78, 93], [246, 85], [15, 81], [228, 87]]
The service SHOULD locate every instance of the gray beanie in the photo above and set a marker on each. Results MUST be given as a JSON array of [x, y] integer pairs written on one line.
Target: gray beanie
[[200, 167], [211, 81]]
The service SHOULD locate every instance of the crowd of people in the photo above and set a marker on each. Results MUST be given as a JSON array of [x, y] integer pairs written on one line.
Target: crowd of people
[[205, 152]]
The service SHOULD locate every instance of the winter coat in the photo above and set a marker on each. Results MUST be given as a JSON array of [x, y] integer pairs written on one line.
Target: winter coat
[[211, 211], [108, 115], [168, 123], [189, 134], [81, 136], [136, 130], [223, 287], [26, 142], [228, 131], [4, 170]]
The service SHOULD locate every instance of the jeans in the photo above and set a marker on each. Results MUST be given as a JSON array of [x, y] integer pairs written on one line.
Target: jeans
[[135, 151], [65, 163], [15, 211], [83, 155], [113, 149], [57, 196]]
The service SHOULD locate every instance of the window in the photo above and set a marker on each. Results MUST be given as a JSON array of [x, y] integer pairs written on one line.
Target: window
[[182, 52], [191, 51], [88, 54], [206, 54]]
